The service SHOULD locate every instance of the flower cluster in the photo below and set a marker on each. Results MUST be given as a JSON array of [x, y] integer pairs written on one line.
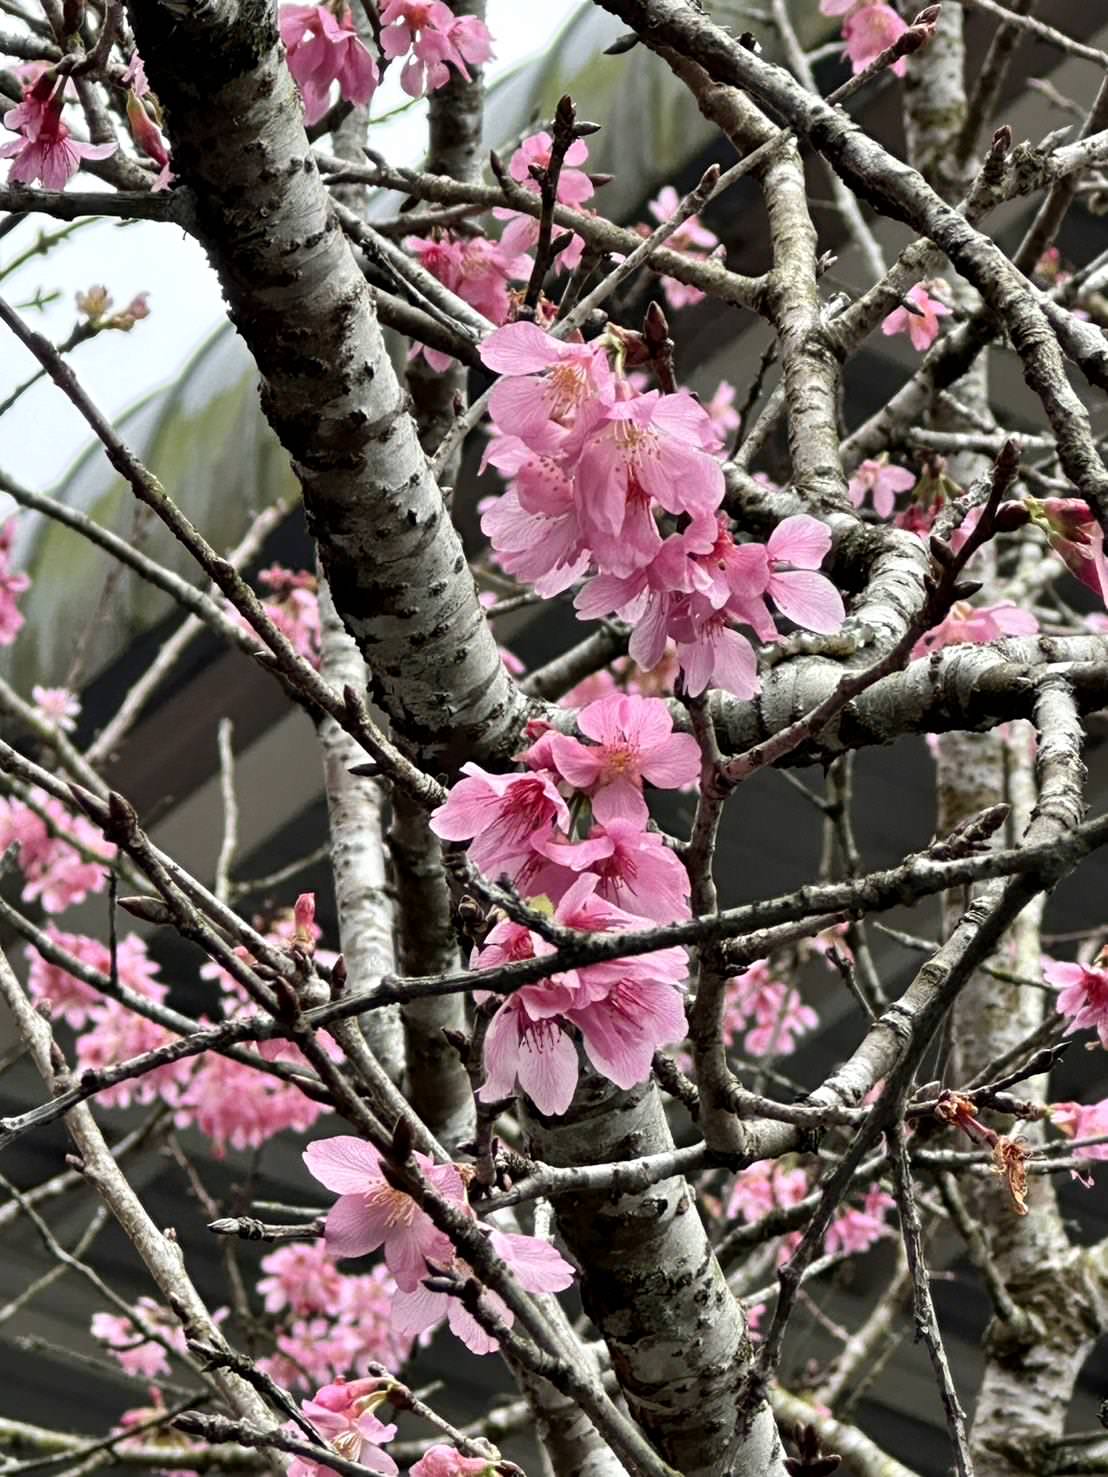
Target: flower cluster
[[855, 1229], [12, 585], [328, 1324], [770, 1012], [126, 1342], [574, 187], [600, 473], [437, 40], [292, 604], [691, 237], [371, 1213], [869, 28], [477, 270], [114, 1032], [54, 871], [767, 1186], [323, 48], [228, 1100], [613, 874], [160, 1437]]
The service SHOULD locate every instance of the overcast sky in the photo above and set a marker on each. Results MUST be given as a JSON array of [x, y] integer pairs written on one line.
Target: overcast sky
[[40, 437]]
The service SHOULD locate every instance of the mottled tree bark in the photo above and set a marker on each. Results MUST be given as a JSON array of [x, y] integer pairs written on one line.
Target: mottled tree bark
[[356, 816], [393, 561], [652, 1285]]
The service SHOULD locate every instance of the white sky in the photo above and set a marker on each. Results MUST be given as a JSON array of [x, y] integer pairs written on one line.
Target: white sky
[[40, 437]]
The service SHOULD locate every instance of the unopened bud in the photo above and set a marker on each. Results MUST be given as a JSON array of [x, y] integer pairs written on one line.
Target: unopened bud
[[655, 326], [1010, 516], [147, 910], [303, 912]]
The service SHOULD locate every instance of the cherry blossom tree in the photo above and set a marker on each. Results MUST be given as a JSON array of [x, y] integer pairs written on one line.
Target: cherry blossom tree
[[539, 1080]]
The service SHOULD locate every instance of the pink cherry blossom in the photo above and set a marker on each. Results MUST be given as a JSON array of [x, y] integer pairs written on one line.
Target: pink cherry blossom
[[1076, 536], [69, 997], [625, 1009], [294, 608], [1083, 1121], [344, 1331], [922, 327], [448, 1461], [626, 1026], [503, 814], [301, 1277], [116, 1035], [980, 624], [57, 705], [763, 1187], [12, 585], [784, 571], [53, 870], [690, 234], [710, 651], [855, 1230], [880, 480], [771, 1009], [45, 151], [690, 237], [574, 185], [533, 527], [369, 1213], [32, 113], [544, 384], [477, 269], [119, 1334], [134, 75], [633, 741], [342, 1413], [637, 450], [637, 870], [236, 1105], [724, 418], [526, 1040], [322, 49], [868, 32], [136, 1354], [156, 1438], [437, 40], [536, 1265], [647, 597], [1083, 995]]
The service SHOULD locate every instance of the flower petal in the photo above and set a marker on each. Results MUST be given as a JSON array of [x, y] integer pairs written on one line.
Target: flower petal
[[345, 1164]]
